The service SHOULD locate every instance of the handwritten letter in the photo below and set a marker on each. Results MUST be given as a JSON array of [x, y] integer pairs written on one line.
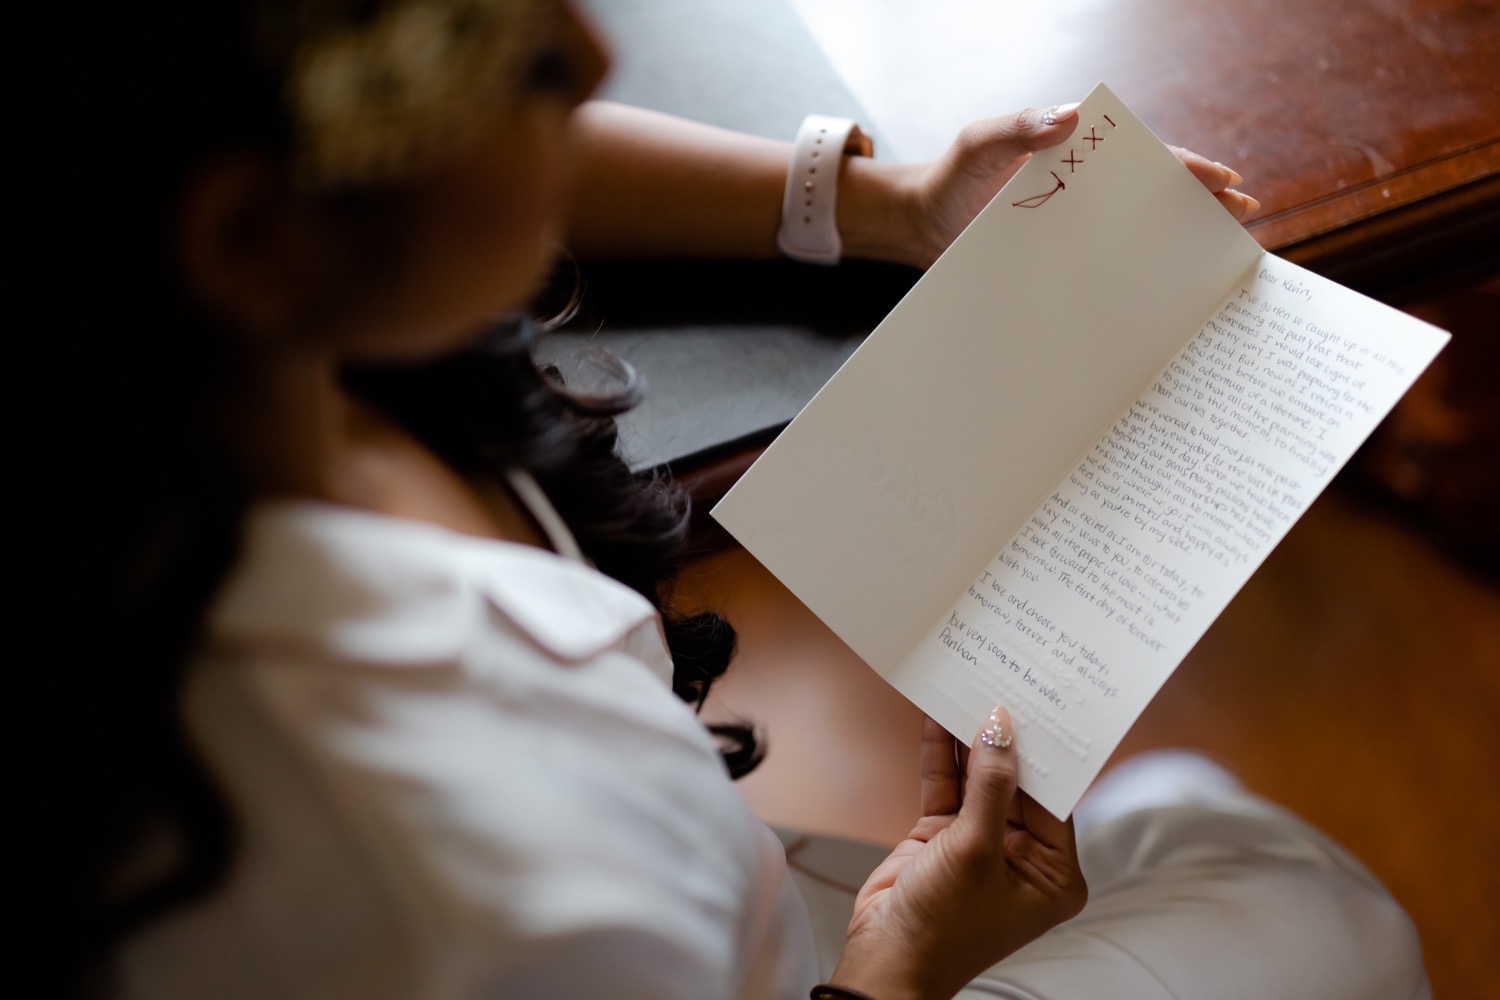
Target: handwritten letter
[[1085, 612]]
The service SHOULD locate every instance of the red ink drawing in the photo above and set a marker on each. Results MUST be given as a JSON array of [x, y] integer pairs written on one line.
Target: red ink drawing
[[1095, 139], [1040, 199], [1072, 161]]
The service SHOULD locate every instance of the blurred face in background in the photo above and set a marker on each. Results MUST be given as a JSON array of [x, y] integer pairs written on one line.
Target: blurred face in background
[[403, 224], [485, 223]]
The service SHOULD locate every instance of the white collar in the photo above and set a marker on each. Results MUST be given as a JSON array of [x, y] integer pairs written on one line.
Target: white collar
[[390, 591]]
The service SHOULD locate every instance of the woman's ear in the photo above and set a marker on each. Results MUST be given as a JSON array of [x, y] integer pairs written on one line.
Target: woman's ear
[[242, 239]]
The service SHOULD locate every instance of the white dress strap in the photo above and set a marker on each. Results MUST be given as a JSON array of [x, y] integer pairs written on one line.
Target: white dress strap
[[531, 496]]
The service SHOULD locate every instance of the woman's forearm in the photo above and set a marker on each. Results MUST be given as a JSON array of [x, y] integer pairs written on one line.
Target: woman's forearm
[[652, 185]]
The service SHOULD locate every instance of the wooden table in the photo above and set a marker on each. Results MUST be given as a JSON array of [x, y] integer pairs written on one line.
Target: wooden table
[[1370, 132]]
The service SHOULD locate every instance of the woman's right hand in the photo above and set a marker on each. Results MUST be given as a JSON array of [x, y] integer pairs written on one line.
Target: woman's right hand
[[985, 871]]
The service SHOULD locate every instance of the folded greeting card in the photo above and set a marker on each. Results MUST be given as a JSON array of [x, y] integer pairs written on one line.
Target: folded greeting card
[[1046, 473]]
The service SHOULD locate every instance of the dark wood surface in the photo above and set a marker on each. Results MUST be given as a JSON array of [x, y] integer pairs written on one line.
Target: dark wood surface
[[1370, 131]]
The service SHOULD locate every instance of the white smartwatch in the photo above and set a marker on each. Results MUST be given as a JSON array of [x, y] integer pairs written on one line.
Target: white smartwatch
[[809, 226]]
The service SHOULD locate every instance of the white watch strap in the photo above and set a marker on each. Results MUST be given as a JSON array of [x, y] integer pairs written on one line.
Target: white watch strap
[[809, 228]]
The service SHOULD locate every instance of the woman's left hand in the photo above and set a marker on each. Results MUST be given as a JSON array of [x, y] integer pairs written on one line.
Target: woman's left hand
[[1220, 181], [934, 202]]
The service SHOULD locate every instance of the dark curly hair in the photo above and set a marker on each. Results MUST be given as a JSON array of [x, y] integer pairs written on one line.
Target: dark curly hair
[[131, 504]]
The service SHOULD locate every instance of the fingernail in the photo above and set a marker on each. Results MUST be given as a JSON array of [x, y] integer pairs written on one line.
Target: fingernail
[[1234, 175], [998, 732], [1253, 203], [1058, 112]]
